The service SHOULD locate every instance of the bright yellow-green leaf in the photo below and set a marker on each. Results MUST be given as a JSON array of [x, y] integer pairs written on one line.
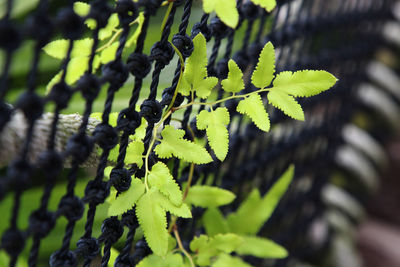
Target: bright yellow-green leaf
[[195, 74], [134, 153], [58, 48], [152, 219], [126, 200], [268, 5], [181, 211], [234, 83], [226, 242], [198, 243], [109, 53], [225, 9], [170, 260], [254, 212], [206, 247], [265, 69], [161, 178], [209, 196], [226, 260], [81, 8], [204, 87], [133, 39], [112, 24], [253, 107], [247, 212], [78, 66], [140, 131], [304, 83], [215, 124], [173, 144], [261, 248], [214, 222], [286, 103]]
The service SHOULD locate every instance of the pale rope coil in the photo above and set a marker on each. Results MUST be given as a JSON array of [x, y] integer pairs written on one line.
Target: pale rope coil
[[13, 136]]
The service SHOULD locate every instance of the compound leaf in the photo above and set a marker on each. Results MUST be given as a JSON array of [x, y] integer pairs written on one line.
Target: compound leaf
[[215, 124], [126, 200], [209, 196], [265, 69], [152, 219], [304, 83], [226, 260], [286, 103], [161, 178], [268, 5], [261, 248], [214, 222], [254, 108], [234, 82], [173, 144]]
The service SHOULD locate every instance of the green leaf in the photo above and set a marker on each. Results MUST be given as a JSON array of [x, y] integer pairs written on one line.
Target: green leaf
[[133, 39], [78, 66], [304, 83], [112, 24], [161, 178], [134, 153], [268, 5], [214, 222], [173, 144], [204, 87], [126, 200], [109, 53], [226, 260], [215, 124], [113, 256], [198, 243], [226, 242], [195, 73], [254, 108], [254, 212], [5, 260], [170, 260], [234, 83], [225, 9], [180, 211], [140, 131], [261, 248], [206, 247], [152, 219], [265, 69], [209, 196], [58, 48], [247, 217], [81, 8], [286, 103]]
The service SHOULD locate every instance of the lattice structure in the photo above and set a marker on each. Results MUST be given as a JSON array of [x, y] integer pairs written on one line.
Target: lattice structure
[[45, 150]]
